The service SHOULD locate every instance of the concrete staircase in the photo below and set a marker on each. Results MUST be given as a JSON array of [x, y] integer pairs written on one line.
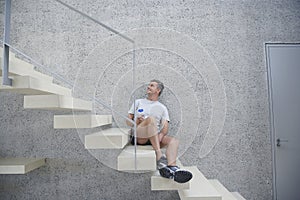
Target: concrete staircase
[[41, 93]]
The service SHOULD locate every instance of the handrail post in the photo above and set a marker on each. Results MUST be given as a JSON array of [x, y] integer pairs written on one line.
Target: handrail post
[[135, 116], [5, 62]]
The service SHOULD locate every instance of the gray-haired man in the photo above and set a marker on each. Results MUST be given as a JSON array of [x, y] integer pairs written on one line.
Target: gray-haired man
[[152, 128]]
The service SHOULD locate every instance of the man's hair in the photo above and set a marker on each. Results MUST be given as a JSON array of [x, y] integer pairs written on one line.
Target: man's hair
[[160, 86]]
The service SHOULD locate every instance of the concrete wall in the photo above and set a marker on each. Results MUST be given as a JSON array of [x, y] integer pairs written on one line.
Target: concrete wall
[[200, 49]]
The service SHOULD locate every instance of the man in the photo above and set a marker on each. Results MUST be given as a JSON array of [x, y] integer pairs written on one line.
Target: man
[[152, 128]]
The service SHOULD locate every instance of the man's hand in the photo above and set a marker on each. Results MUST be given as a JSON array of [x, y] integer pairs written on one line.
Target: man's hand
[[139, 120]]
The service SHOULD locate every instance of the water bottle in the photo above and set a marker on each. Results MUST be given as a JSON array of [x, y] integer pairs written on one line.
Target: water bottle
[[140, 112]]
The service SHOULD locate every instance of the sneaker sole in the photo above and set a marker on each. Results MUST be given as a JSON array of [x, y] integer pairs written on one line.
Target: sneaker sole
[[182, 176]]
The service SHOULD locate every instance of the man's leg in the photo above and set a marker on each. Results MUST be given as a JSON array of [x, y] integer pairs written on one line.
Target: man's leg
[[172, 149], [173, 171], [147, 130]]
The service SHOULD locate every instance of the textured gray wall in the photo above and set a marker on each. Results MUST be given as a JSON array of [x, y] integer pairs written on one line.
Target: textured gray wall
[[232, 33]]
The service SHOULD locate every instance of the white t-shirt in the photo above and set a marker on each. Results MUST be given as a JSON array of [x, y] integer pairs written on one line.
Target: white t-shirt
[[151, 108]]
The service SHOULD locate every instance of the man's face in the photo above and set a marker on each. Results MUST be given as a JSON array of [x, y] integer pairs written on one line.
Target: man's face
[[152, 88]]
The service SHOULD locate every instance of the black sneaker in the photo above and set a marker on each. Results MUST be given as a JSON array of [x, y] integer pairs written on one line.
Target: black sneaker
[[174, 172], [166, 172]]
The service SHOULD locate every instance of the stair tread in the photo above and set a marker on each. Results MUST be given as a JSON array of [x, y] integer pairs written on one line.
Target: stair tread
[[56, 102], [142, 151], [18, 66], [200, 187], [20, 165], [226, 195], [23, 68], [112, 138], [111, 132], [30, 85], [81, 121], [39, 75]]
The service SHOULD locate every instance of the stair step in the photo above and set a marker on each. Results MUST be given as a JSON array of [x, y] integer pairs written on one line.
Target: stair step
[[18, 66], [20, 165], [160, 183], [32, 86], [112, 138], [146, 159], [21, 68], [226, 195], [81, 121], [39, 75], [200, 188], [56, 102], [238, 196]]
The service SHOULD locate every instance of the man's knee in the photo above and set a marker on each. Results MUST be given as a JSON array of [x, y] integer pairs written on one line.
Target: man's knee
[[175, 141], [150, 120]]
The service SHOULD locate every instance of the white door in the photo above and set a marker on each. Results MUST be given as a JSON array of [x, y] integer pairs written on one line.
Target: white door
[[283, 62]]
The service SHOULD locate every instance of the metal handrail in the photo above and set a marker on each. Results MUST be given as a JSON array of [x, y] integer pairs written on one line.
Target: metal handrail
[[133, 67], [69, 83], [96, 21], [7, 81], [5, 63]]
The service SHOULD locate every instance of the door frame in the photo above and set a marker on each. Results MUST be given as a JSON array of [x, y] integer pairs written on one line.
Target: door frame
[[267, 45]]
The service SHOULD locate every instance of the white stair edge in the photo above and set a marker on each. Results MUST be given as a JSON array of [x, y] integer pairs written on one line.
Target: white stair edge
[[200, 188], [146, 159], [81, 121], [160, 183], [238, 196], [226, 195], [20, 165], [30, 85], [56, 102], [112, 138], [41, 76]]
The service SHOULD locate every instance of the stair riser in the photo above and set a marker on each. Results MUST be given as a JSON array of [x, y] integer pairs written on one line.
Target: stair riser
[[55, 102], [146, 159], [128, 164], [19, 166], [32, 86], [65, 122], [105, 142], [159, 183]]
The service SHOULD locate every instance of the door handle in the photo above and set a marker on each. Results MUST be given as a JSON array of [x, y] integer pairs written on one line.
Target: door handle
[[279, 141]]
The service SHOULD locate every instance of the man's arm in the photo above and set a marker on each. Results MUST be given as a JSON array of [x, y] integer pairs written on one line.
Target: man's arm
[[130, 116]]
